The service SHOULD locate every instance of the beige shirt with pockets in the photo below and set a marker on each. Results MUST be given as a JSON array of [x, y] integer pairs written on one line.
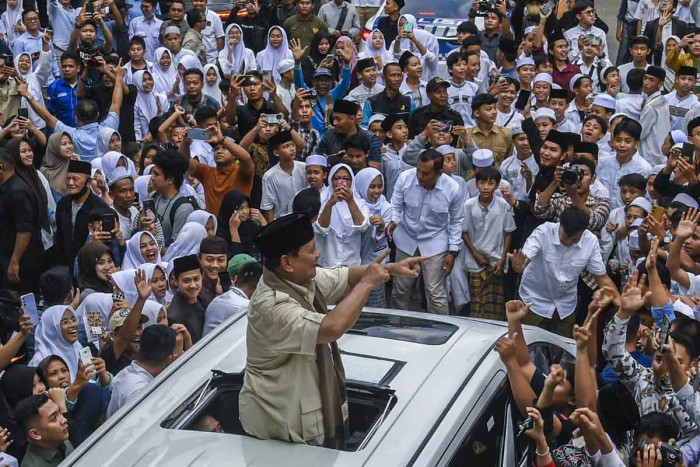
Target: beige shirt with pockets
[[280, 398]]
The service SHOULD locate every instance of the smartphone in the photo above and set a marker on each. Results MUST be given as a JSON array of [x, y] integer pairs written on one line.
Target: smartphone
[[117, 296], [331, 56], [149, 207], [85, 356], [687, 152], [665, 331], [272, 119], [29, 305], [24, 113], [342, 183], [225, 279], [313, 95], [658, 213], [109, 222], [49, 31], [249, 80], [445, 126], [408, 27], [198, 133], [523, 99], [547, 7], [267, 75]]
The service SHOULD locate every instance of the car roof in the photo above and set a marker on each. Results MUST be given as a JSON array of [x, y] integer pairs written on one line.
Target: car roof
[[424, 387]]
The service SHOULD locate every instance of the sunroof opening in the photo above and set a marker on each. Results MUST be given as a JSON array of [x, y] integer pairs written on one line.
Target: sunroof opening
[[404, 328]]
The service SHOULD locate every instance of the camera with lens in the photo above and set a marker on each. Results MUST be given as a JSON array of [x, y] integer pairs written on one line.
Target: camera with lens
[[670, 454], [90, 54], [572, 175], [485, 6]]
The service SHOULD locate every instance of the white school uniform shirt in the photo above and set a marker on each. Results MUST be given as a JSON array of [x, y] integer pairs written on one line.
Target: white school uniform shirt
[[604, 148], [336, 252], [392, 166], [126, 385], [278, 187], [149, 31], [624, 69], [574, 33], [631, 105], [608, 239], [509, 120], [428, 220], [361, 93], [573, 118], [679, 108], [656, 124], [646, 11], [419, 96], [549, 282], [210, 34], [486, 229], [203, 151], [459, 99], [233, 302], [609, 172], [598, 189], [375, 243], [473, 191], [510, 171]]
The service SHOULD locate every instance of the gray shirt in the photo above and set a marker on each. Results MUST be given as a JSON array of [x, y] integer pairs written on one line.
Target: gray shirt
[[44, 457], [233, 302], [417, 145], [126, 385], [163, 207], [278, 187], [330, 13]]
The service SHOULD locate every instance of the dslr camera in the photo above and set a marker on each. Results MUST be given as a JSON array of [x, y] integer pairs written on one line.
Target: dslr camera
[[572, 175], [485, 6], [90, 53], [670, 454]]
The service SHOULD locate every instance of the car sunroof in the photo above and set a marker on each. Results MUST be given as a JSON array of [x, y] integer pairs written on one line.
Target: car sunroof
[[404, 328]]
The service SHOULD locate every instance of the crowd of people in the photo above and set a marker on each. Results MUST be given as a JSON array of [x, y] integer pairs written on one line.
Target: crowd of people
[[535, 178]]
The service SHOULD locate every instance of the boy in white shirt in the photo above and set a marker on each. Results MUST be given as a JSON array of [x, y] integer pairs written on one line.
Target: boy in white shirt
[[396, 130]]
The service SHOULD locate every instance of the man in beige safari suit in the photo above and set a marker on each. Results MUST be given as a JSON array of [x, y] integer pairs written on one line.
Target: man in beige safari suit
[[294, 386]]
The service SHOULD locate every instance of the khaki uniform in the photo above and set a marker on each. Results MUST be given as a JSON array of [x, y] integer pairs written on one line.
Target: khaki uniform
[[281, 397]]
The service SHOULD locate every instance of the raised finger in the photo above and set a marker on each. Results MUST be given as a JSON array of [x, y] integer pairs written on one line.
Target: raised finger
[[382, 256]]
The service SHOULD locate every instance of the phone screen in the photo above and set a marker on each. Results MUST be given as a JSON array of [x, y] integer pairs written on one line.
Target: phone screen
[[523, 99]]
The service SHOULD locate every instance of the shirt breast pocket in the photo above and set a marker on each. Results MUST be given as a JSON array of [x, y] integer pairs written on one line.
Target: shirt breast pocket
[[413, 206]]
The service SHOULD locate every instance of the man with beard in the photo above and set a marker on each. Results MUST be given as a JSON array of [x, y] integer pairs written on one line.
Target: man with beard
[[72, 211]]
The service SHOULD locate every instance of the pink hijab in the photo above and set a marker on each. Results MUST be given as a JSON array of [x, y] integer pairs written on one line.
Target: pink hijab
[[347, 42]]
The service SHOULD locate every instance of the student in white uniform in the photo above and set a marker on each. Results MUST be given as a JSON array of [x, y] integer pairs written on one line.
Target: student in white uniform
[[681, 100], [342, 220], [521, 168], [480, 159], [283, 180], [235, 300]]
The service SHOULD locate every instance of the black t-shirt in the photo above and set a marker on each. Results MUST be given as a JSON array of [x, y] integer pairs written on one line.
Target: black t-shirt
[[248, 115], [389, 28], [19, 213], [113, 364], [567, 426]]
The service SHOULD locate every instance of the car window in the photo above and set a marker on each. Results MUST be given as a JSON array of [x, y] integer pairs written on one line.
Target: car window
[[442, 9], [483, 445], [544, 355]]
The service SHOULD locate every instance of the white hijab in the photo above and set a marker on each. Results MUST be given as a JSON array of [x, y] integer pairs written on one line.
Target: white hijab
[[147, 102], [49, 340], [95, 303], [271, 56], [363, 180], [202, 217], [104, 136], [133, 258], [110, 160], [341, 218], [10, 18], [124, 279], [238, 55], [187, 61], [150, 269], [141, 187], [151, 310], [370, 52], [163, 80], [187, 242], [210, 90], [427, 39]]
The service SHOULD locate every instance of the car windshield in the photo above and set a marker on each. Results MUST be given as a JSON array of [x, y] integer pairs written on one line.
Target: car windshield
[[443, 9]]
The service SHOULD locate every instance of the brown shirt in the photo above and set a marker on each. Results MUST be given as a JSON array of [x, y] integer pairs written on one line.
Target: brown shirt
[[498, 140], [219, 181]]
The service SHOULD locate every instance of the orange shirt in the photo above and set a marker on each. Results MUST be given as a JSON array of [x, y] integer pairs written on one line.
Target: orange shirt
[[217, 182]]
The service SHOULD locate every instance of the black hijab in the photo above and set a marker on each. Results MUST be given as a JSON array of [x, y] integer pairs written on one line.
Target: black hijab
[[17, 383], [88, 256], [31, 177], [247, 230]]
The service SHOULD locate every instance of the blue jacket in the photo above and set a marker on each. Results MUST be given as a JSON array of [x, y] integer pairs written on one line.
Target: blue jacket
[[61, 100], [318, 121]]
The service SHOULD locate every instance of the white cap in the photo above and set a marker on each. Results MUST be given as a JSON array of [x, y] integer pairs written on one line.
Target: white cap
[[482, 158], [376, 118], [615, 115], [656, 169], [530, 29], [544, 112], [285, 65], [679, 137], [641, 202], [446, 149], [316, 159], [574, 78], [172, 30], [120, 173], [604, 100], [516, 129], [686, 199], [524, 61], [543, 77]]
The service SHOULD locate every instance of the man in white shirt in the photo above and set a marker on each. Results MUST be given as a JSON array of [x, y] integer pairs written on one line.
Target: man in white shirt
[[521, 168], [147, 27], [681, 100], [553, 258], [213, 34], [234, 301], [626, 161], [283, 180], [640, 48], [655, 117], [427, 220], [156, 352], [286, 89], [586, 17], [367, 71]]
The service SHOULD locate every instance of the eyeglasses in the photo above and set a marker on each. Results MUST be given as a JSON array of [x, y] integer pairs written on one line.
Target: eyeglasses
[[32, 19], [66, 322]]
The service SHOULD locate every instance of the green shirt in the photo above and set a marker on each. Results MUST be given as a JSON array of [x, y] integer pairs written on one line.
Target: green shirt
[[37, 456], [304, 30]]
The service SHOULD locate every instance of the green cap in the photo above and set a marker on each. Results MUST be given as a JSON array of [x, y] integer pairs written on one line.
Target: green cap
[[236, 263]]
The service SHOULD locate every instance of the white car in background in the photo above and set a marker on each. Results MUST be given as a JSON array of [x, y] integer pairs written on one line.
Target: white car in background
[[423, 390]]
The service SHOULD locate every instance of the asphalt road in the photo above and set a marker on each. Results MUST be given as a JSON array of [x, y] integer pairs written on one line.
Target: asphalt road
[[607, 11]]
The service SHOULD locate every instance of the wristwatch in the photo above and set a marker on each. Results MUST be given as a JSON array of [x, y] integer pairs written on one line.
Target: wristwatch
[[29, 97], [453, 253]]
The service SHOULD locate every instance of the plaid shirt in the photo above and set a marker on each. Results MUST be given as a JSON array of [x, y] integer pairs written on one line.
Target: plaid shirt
[[312, 139], [600, 210]]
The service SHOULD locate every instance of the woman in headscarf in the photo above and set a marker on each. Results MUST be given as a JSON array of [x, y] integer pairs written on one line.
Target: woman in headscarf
[[187, 242], [141, 248], [113, 159], [124, 282], [211, 82], [19, 127], [321, 46], [342, 220], [18, 381], [420, 43], [85, 402], [11, 25], [59, 152], [155, 312], [94, 312], [36, 79], [239, 230], [277, 49], [141, 187], [235, 58], [375, 47], [57, 334], [207, 220], [166, 79], [23, 155], [95, 264], [149, 104], [147, 154], [155, 275], [186, 62], [345, 42], [107, 140], [369, 185]]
